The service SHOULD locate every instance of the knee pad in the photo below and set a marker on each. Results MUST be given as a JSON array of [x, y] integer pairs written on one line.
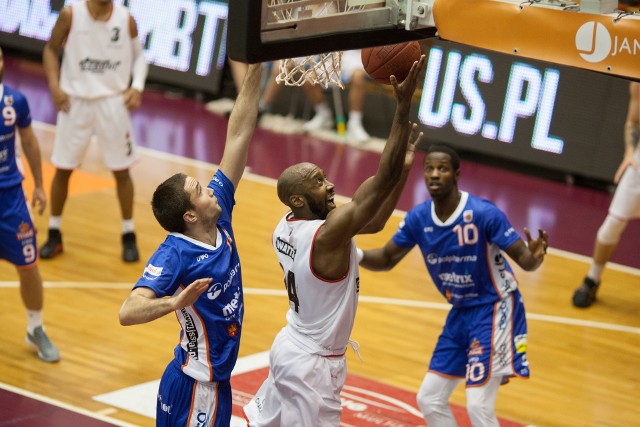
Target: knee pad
[[611, 229]]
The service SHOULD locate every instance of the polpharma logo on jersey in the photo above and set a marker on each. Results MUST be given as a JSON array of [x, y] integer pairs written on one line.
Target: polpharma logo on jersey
[[594, 43]]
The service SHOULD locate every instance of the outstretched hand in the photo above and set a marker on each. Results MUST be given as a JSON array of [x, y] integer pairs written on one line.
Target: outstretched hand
[[404, 90], [538, 247], [411, 146], [191, 293]]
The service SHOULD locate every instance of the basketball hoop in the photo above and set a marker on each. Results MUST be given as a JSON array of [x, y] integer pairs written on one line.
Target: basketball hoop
[[323, 69]]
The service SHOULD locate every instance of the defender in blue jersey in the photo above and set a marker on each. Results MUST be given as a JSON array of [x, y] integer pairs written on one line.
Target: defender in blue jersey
[[462, 239], [17, 234], [196, 273]]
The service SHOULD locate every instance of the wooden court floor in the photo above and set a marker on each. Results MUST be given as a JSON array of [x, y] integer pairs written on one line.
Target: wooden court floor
[[583, 362]]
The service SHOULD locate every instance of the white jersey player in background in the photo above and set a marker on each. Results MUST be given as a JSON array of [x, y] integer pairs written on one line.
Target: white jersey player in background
[[625, 205], [102, 77], [315, 247]]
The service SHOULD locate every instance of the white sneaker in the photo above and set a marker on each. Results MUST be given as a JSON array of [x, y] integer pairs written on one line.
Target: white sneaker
[[322, 120], [356, 133]]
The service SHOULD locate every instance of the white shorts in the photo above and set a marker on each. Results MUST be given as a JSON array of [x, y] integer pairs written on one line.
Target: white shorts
[[108, 119], [302, 389], [626, 200]]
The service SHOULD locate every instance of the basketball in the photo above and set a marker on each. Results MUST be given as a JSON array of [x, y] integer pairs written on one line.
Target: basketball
[[381, 62]]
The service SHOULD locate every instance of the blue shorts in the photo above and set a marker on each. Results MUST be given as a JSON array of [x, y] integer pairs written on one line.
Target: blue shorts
[[485, 341], [17, 235], [185, 402]]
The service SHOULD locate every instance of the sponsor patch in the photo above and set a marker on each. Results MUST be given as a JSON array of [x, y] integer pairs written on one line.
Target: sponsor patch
[[151, 272]]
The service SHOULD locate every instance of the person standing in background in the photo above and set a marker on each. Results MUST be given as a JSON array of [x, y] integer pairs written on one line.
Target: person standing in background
[[17, 233], [100, 80], [624, 206]]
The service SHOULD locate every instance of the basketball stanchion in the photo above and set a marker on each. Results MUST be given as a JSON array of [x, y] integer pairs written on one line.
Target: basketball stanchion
[[341, 126]]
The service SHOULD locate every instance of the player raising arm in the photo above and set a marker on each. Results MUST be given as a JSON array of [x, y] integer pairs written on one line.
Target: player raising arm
[[178, 278], [315, 247]]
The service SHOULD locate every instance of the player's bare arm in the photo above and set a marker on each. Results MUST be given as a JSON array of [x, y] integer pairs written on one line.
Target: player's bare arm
[[529, 256], [51, 59], [133, 95], [333, 242], [31, 151], [631, 132], [242, 124], [384, 258], [143, 305], [381, 216]]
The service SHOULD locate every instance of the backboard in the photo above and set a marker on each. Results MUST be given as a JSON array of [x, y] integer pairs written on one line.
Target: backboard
[[266, 30]]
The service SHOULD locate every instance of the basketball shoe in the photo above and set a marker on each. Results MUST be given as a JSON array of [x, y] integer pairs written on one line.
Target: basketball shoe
[[53, 246], [129, 247], [41, 342], [585, 295], [322, 120], [356, 133]]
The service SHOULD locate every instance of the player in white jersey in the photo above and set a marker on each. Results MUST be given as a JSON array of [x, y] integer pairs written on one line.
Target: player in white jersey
[[461, 238], [17, 233], [315, 247], [93, 95], [624, 207], [196, 274]]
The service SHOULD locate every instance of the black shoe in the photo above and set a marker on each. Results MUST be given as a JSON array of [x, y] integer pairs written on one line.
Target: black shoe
[[53, 246], [129, 247], [585, 295]]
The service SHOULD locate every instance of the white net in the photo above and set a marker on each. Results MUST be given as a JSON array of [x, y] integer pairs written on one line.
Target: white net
[[323, 69]]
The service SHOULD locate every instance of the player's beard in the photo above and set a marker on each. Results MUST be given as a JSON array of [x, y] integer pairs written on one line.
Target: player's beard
[[318, 209]]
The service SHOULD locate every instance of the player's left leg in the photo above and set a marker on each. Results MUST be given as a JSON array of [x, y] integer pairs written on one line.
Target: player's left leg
[[118, 148], [481, 403], [32, 298]]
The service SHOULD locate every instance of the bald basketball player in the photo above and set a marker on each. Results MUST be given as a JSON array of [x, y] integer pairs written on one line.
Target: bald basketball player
[[315, 247]]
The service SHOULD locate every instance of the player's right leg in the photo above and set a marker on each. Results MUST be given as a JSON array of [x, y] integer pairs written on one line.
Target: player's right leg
[[59, 191], [447, 369], [73, 134], [624, 206], [433, 399]]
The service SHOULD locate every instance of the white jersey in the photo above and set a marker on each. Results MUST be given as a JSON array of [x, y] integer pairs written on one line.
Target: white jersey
[[98, 56], [322, 312]]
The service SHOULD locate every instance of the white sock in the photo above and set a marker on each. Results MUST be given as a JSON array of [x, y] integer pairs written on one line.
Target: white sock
[[127, 226], [595, 272], [34, 319], [55, 221]]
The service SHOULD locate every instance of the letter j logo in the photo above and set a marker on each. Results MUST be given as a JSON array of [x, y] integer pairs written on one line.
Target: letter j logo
[[593, 41]]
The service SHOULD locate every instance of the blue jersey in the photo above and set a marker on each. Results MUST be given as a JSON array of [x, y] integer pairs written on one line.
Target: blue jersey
[[463, 254], [14, 112], [210, 328]]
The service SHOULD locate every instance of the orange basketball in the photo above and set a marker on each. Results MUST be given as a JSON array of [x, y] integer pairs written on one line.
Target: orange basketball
[[381, 62]]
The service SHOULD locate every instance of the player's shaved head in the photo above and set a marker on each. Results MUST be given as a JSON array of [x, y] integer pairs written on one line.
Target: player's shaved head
[[291, 181]]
